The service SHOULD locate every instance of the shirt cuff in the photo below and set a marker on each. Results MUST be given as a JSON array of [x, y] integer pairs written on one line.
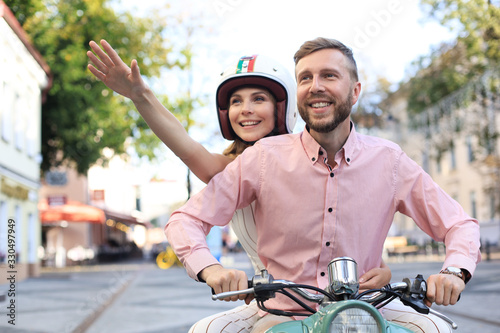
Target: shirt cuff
[[197, 261]]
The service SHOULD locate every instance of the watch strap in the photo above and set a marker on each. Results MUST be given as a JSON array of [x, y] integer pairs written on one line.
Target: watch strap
[[458, 272]]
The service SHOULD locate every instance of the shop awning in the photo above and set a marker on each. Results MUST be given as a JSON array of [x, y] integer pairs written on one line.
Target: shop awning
[[120, 217], [125, 218], [71, 211]]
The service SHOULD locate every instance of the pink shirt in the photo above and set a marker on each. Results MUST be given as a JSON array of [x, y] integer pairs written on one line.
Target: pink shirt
[[308, 213]]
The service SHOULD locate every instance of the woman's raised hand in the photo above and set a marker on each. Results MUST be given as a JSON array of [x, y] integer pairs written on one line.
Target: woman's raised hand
[[109, 68]]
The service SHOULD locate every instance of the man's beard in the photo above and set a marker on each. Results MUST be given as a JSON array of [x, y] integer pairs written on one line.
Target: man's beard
[[342, 111]]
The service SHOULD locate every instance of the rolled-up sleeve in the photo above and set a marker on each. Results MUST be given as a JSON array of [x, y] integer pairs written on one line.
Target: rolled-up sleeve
[[437, 214], [188, 226]]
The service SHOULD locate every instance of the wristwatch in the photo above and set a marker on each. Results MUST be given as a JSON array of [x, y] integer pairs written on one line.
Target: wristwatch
[[453, 271]]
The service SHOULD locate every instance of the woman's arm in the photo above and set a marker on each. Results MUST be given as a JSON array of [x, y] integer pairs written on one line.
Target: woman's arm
[[109, 68]]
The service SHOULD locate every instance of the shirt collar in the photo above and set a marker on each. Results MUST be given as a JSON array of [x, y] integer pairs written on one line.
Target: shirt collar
[[311, 146], [350, 145], [314, 150]]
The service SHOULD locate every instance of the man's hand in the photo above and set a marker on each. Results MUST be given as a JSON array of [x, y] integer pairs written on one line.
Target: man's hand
[[443, 289], [222, 280]]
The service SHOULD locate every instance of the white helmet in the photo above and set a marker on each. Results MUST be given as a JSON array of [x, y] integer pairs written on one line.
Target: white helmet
[[267, 73]]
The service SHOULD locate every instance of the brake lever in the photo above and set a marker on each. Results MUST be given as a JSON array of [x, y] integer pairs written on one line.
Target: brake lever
[[415, 295], [244, 291], [232, 293]]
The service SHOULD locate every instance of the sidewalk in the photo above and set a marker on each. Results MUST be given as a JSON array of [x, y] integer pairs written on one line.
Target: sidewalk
[[74, 299], [494, 255], [67, 299]]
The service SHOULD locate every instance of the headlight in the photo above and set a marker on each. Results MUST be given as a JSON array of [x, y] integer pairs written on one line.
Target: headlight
[[353, 320]]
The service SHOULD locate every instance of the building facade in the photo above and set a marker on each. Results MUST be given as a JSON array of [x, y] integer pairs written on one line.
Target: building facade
[[24, 79], [457, 142]]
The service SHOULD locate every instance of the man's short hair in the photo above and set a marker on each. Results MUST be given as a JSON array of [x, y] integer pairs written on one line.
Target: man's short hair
[[322, 43]]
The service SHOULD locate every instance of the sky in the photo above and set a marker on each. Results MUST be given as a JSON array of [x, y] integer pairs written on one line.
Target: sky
[[385, 35]]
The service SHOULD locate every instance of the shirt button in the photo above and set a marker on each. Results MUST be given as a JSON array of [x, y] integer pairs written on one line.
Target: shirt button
[[322, 274], [321, 152], [331, 174], [327, 243], [314, 159], [330, 209]]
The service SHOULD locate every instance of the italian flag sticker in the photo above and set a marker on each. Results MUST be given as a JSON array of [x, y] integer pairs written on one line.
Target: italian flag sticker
[[245, 65]]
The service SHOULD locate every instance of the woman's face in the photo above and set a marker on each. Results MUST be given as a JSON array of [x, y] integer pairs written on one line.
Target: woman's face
[[251, 113]]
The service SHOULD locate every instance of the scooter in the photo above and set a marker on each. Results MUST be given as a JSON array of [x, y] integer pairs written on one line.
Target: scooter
[[341, 307]]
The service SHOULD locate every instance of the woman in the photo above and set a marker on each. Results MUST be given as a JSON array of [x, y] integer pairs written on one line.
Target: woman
[[255, 98]]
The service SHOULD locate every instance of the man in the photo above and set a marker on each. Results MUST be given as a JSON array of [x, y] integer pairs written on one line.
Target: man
[[324, 193]]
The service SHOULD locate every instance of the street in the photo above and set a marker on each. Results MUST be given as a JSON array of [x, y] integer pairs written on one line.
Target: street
[[142, 298], [479, 307], [169, 301]]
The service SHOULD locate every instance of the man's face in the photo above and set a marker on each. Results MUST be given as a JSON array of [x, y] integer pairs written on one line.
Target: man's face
[[325, 91]]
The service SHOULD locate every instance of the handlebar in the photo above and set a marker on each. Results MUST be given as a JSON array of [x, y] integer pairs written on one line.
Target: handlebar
[[410, 291], [259, 289]]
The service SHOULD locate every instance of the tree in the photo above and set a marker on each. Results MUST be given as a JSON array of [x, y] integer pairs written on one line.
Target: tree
[[81, 116], [455, 91], [23, 9], [478, 23], [452, 65], [368, 114], [191, 30]]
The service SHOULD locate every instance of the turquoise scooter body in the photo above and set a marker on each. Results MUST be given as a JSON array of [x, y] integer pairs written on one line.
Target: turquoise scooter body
[[321, 321]]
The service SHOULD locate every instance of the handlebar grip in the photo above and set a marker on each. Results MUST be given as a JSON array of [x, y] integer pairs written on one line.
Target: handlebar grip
[[250, 285]]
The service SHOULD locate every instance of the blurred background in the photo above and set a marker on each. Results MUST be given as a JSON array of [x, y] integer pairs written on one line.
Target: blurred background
[[87, 182]]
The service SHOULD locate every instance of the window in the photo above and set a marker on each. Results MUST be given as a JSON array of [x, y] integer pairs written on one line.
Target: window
[[19, 231], [470, 151], [31, 124], [32, 239], [425, 161], [453, 159], [493, 206], [3, 231], [19, 121], [6, 97], [473, 204]]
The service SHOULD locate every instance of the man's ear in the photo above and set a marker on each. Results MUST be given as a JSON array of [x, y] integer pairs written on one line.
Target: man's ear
[[356, 90]]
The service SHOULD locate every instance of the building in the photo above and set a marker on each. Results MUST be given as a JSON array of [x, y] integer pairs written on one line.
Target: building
[[457, 142], [131, 191], [78, 227], [69, 225], [24, 79]]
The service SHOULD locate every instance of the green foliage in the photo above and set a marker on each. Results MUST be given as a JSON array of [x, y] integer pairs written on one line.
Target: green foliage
[[23, 9], [368, 114], [478, 22], [81, 116], [445, 71], [451, 66]]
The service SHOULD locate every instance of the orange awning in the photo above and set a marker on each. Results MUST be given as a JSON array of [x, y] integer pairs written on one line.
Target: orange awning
[[72, 211]]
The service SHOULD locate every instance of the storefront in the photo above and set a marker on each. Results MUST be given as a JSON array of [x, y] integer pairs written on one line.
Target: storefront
[[18, 216], [67, 228], [121, 237]]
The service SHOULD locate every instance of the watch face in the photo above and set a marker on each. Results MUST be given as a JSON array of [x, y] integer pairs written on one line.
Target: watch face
[[454, 270]]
